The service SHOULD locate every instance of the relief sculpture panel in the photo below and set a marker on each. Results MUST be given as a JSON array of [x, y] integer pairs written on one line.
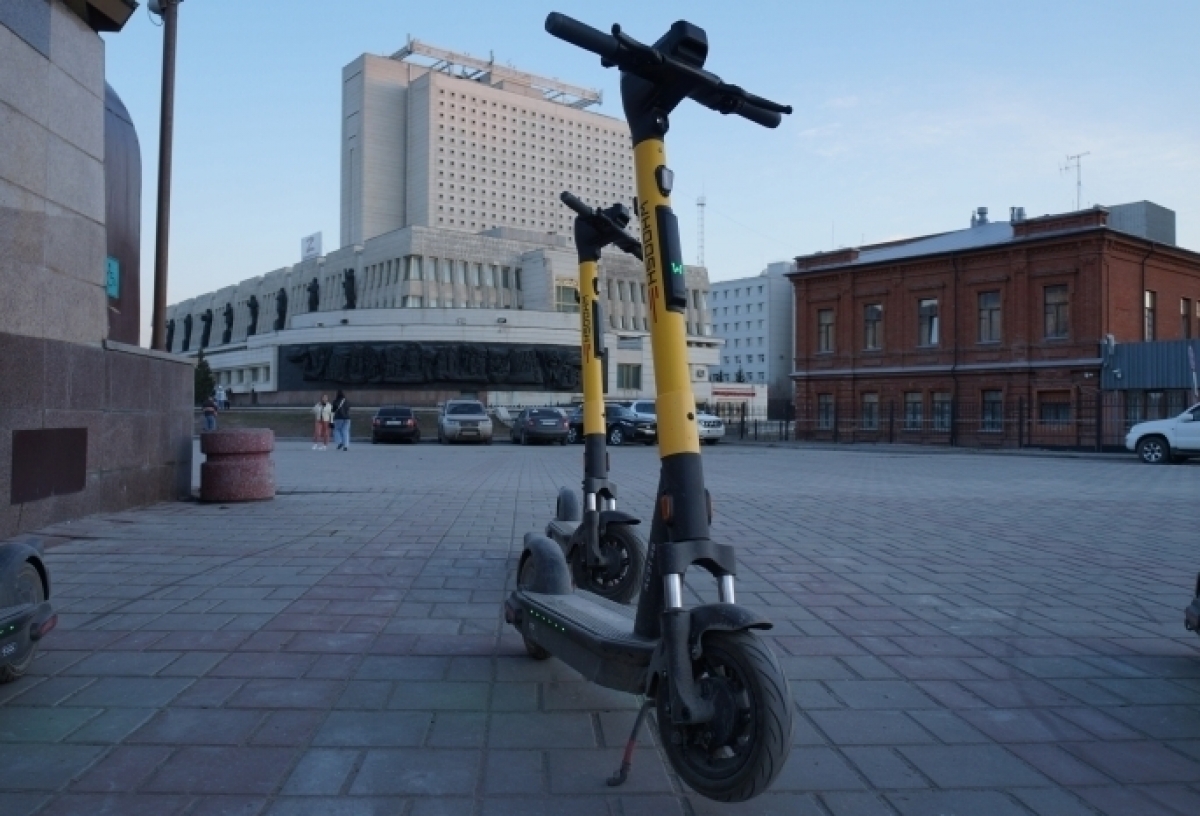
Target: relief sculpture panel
[[387, 365]]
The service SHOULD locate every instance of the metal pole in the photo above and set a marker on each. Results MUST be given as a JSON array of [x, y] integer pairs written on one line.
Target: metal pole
[[158, 320]]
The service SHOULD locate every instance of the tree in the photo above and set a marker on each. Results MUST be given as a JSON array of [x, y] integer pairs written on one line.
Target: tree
[[205, 384], [740, 376]]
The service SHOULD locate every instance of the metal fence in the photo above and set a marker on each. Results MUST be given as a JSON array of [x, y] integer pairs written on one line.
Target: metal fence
[[1095, 420]]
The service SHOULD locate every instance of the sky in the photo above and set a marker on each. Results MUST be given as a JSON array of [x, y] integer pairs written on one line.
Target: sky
[[907, 116]]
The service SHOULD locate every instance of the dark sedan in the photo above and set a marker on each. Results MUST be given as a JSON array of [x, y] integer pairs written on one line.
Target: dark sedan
[[622, 426], [539, 425], [395, 424]]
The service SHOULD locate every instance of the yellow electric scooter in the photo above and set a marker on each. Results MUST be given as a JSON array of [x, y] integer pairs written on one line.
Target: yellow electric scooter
[[724, 710], [604, 553]]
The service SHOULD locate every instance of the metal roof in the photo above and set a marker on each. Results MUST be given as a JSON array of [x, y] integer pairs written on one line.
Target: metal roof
[[999, 232]]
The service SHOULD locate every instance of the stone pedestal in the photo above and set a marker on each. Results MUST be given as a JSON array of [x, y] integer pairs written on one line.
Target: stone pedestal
[[238, 465]]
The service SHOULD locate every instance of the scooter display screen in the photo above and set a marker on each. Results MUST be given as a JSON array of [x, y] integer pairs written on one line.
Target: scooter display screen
[[674, 280]]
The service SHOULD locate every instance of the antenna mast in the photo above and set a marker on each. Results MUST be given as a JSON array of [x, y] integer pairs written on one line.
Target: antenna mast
[[700, 204], [1076, 161]]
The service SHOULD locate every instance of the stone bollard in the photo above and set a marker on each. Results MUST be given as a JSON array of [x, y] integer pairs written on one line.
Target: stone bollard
[[238, 466]]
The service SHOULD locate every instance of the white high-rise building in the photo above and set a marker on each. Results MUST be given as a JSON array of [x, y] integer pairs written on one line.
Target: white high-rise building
[[754, 318], [469, 145]]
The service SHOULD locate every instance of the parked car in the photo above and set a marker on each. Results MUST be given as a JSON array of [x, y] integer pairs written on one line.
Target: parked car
[[539, 425], [622, 426], [464, 420], [394, 423], [1166, 440], [711, 428]]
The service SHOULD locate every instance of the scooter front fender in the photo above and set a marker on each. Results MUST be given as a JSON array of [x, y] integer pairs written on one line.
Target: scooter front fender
[[721, 617], [13, 555], [608, 517]]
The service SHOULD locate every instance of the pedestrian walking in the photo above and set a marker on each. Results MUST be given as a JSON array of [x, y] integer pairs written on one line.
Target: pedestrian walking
[[210, 413], [322, 421], [341, 421]]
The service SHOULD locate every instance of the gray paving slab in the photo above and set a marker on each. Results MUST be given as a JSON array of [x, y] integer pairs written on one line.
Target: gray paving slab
[[963, 633]]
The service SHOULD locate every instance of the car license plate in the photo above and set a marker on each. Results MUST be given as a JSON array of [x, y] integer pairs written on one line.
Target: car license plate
[[549, 422], [393, 422]]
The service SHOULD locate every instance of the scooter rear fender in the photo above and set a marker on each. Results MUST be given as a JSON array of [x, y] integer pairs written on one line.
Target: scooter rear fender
[[551, 575], [608, 517]]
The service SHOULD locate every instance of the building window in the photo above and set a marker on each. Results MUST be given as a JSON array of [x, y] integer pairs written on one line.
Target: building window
[[1185, 317], [870, 412], [873, 326], [913, 407], [942, 407], [1154, 405], [927, 316], [566, 299], [824, 331], [1150, 299], [993, 411], [1054, 409], [1056, 305], [629, 375], [824, 412], [989, 317]]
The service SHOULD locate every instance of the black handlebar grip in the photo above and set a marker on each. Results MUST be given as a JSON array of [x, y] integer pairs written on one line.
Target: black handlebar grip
[[759, 116], [582, 35], [575, 204]]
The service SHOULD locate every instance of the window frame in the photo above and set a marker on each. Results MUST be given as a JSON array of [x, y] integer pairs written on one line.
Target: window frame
[[825, 331], [928, 323], [872, 327], [1056, 315], [991, 318]]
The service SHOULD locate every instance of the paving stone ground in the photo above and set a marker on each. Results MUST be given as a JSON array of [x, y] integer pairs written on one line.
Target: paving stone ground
[[964, 634]]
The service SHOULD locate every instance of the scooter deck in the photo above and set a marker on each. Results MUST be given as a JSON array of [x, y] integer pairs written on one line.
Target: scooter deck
[[590, 634]]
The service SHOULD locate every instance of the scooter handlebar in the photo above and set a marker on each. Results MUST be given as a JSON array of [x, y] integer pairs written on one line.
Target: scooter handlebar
[[575, 204], [629, 55], [581, 34]]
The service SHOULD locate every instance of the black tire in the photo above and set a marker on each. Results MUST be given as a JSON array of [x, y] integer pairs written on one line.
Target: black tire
[[755, 734], [622, 582], [616, 437], [712, 441], [29, 590], [1154, 450], [572, 435], [524, 578]]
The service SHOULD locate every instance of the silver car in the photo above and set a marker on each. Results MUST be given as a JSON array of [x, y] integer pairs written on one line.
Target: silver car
[[464, 421]]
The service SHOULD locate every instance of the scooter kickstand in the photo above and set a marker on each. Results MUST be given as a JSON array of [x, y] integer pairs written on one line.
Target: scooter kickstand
[[627, 760]]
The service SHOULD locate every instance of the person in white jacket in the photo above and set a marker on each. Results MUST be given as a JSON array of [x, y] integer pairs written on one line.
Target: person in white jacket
[[322, 419]]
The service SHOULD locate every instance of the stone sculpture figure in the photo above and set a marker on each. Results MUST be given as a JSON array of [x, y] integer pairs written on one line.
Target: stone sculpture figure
[[170, 332], [206, 332], [314, 295], [280, 309], [187, 332], [348, 288], [252, 305], [227, 313]]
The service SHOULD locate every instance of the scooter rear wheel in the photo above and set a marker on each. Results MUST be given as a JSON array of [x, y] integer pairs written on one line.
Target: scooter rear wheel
[[621, 582], [739, 753], [29, 591], [524, 580]]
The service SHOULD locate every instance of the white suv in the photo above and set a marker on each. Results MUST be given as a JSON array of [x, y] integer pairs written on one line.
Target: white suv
[[463, 420], [711, 428], [1166, 440]]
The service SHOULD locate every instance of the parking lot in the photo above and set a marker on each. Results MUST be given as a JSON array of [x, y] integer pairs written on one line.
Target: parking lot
[[964, 633]]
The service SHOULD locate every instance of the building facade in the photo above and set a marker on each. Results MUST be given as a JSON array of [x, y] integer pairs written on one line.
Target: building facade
[[753, 316], [468, 145], [990, 335], [89, 422], [452, 227]]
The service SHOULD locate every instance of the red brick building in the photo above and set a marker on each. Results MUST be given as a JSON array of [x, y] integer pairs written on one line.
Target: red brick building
[[987, 335]]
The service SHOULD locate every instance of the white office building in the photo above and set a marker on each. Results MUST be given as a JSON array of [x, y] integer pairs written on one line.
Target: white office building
[[456, 250], [753, 316]]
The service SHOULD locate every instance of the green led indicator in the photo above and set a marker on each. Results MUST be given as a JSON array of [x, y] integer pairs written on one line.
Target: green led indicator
[[677, 268]]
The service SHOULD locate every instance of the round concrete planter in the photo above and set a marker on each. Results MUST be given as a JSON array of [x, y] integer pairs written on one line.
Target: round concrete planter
[[238, 465]]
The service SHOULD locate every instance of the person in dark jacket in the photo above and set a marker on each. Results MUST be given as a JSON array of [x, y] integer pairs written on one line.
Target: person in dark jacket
[[341, 422], [210, 414]]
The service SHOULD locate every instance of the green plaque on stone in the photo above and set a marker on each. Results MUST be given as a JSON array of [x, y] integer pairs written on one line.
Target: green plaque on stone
[[112, 279]]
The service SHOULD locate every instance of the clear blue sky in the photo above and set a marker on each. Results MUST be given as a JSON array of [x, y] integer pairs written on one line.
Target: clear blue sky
[[907, 115]]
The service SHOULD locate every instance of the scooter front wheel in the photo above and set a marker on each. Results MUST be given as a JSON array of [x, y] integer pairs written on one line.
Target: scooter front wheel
[[621, 580], [524, 580], [739, 753]]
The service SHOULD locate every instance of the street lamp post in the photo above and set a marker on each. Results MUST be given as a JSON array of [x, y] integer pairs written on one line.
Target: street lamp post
[[168, 10]]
